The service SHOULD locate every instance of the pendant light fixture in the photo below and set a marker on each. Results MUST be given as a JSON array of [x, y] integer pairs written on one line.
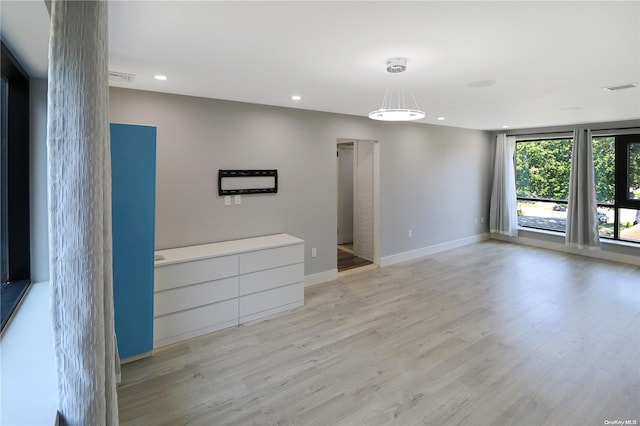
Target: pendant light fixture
[[394, 105]]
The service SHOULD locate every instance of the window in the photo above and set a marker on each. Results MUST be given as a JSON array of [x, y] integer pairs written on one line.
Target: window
[[543, 168], [616, 161], [3, 179], [15, 269], [542, 183]]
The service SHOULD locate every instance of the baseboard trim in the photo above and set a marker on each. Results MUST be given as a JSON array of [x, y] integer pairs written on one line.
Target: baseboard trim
[[561, 247], [135, 357], [320, 277], [426, 251]]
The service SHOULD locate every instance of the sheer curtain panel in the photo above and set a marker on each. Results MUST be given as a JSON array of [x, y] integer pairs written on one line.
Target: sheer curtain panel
[[79, 185], [582, 210], [503, 214]]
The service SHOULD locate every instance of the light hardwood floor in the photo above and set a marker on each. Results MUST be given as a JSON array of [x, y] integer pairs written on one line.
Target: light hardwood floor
[[491, 333]]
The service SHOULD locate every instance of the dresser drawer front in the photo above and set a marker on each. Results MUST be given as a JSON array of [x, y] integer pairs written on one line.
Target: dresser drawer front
[[192, 320], [271, 278], [266, 300], [183, 298], [271, 258], [194, 272]]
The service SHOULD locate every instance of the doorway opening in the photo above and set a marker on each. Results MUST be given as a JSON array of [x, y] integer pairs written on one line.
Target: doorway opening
[[357, 201]]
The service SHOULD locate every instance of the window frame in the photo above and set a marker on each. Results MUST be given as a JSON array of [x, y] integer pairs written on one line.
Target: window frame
[[622, 139], [14, 213], [621, 196], [622, 171]]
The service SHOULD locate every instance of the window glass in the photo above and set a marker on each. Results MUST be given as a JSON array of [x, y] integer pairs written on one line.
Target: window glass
[[542, 169], [633, 167], [629, 225], [3, 179], [14, 235], [542, 215], [604, 165], [542, 183], [606, 221]]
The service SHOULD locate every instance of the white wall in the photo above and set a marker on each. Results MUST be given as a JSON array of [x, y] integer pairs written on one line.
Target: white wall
[[363, 214], [434, 179]]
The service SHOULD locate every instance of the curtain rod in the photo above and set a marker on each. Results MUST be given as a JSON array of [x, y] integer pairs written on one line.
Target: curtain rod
[[561, 132]]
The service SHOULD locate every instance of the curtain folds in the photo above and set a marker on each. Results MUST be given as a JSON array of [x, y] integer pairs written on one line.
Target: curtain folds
[[503, 214], [582, 210], [79, 179]]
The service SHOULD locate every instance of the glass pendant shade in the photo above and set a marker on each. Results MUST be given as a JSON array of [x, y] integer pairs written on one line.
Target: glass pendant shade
[[396, 114], [394, 105]]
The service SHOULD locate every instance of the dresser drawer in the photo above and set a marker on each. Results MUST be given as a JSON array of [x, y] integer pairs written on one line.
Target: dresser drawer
[[271, 258], [194, 272], [182, 298], [270, 299], [204, 288], [271, 278], [194, 322]]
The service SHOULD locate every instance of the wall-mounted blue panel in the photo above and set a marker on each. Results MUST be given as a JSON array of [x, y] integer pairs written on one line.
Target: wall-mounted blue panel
[[133, 169]]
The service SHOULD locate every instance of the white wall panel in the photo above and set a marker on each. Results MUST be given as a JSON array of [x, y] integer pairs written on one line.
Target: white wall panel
[[363, 206]]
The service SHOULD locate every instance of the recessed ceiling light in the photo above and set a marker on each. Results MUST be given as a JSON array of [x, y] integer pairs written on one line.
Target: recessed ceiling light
[[440, 118], [160, 77], [296, 97], [505, 127]]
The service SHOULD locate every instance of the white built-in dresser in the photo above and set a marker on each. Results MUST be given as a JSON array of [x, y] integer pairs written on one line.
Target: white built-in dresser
[[205, 288]]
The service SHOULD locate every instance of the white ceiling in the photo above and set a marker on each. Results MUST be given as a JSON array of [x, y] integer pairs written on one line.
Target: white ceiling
[[549, 60]]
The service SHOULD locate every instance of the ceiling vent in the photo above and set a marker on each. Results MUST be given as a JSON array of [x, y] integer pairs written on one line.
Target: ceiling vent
[[622, 87], [121, 77]]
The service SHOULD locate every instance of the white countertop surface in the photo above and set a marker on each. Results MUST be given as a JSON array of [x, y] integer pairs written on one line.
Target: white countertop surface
[[224, 248]]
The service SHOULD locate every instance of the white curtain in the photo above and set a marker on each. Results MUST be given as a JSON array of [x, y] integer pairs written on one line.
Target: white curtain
[[503, 213], [582, 210], [79, 181]]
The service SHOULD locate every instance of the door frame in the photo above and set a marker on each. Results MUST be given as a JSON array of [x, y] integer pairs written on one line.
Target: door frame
[[376, 191]]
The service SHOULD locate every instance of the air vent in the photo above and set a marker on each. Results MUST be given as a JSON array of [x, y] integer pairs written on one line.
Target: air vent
[[622, 87], [121, 77]]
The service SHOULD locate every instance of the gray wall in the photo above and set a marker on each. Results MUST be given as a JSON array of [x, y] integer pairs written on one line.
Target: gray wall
[[434, 179], [38, 182]]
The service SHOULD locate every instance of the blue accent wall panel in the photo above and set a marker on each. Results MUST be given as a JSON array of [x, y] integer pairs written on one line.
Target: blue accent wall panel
[[133, 169]]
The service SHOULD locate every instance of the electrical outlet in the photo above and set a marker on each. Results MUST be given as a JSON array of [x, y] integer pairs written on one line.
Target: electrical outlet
[[410, 233], [227, 200], [314, 252], [238, 200], [482, 219]]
